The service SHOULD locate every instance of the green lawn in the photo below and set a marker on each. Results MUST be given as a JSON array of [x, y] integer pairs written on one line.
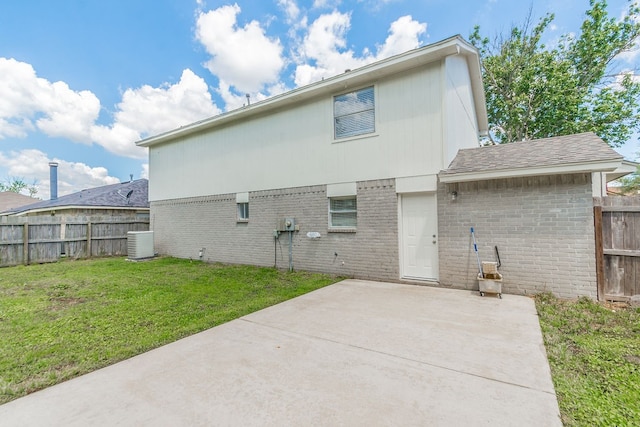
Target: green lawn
[[594, 354], [61, 320]]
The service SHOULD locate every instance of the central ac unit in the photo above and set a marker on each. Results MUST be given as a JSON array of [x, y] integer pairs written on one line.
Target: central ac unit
[[140, 244]]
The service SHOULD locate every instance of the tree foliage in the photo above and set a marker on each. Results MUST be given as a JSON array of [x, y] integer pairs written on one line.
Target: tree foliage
[[631, 183], [17, 185], [537, 91]]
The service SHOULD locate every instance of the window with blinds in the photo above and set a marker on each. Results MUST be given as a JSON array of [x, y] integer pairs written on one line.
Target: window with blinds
[[343, 212], [354, 113]]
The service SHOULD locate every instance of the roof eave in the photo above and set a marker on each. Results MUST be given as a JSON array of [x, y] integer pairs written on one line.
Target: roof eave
[[62, 208], [596, 166], [414, 58], [627, 167]]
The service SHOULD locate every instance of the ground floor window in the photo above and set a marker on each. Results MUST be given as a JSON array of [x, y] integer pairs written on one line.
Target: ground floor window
[[243, 211], [343, 212]]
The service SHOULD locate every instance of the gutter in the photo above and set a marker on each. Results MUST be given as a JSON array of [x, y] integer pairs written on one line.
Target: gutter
[[596, 166]]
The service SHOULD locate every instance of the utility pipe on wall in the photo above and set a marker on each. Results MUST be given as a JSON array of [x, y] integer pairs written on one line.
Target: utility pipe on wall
[[290, 250]]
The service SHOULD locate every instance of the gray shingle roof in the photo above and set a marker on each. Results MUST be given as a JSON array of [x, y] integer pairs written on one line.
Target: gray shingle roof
[[108, 196], [11, 200], [555, 151]]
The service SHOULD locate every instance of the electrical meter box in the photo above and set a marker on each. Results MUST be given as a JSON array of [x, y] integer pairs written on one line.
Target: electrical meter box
[[287, 224]]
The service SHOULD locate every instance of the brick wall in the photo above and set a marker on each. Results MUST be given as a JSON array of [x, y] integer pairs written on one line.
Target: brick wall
[[184, 226], [543, 227]]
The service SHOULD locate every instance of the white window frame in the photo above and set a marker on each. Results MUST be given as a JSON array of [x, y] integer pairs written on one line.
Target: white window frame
[[332, 212], [370, 127], [242, 207], [243, 211]]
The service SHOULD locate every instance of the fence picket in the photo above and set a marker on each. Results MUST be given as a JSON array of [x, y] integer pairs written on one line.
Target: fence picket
[[618, 247], [26, 240]]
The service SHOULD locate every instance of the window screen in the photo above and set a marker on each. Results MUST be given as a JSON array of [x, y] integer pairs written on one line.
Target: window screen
[[343, 212], [354, 113]]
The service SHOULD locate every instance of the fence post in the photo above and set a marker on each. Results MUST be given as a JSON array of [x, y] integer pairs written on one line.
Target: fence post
[[597, 219], [89, 240], [25, 243]]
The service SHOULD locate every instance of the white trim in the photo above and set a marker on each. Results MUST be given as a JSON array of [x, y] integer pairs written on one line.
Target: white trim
[[374, 88], [347, 228], [625, 168], [242, 197], [598, 166], [401, 242], [342, 189], [598, 184], [417, 184]]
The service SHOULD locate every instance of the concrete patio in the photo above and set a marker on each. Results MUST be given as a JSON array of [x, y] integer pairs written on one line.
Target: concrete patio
[[354, 353]]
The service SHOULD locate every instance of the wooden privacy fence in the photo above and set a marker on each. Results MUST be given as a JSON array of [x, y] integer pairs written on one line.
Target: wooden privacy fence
[[22, 242], [617, 233]]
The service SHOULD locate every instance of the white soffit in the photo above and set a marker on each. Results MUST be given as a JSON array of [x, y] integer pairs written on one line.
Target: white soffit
[[625, 168]]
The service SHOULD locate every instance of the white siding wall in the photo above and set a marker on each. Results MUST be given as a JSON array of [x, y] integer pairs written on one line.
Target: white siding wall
[[460, 123], [295, 147]]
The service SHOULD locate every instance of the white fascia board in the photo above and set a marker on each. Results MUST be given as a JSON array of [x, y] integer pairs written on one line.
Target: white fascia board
[[351, 79], [625, 168], [601, 166]]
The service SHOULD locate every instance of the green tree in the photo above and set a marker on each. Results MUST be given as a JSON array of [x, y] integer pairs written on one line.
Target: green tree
[[17, 185], [631, 183], [537, 91]]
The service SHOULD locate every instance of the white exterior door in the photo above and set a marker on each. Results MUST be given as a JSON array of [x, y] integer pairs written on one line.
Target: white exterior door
[[419, 237]]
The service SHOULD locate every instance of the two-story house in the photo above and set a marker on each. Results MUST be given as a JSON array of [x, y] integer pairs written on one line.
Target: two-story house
[[340, 176]]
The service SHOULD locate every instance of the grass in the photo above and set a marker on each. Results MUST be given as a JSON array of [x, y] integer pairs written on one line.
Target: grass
[[61, 320], [594, 354]]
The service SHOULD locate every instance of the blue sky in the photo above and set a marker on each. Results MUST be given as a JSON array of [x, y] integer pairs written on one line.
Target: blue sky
[[82, 80]]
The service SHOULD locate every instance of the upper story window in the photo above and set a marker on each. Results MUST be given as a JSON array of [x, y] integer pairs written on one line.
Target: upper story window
[[354, 113]]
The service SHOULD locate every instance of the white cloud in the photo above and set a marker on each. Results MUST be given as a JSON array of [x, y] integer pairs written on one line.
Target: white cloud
[[291, 10], [633, 54], [326, 4], [33, 166], [144, 173], [377, 4], [148, 111], [404, 34], [325, 46], [28, 102], [635, 77], [243, 57], [234, 100]]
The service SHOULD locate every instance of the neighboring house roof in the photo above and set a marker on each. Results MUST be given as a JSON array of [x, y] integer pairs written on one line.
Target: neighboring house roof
[[455, 45], [11, 200], [109, 196], [583, 152]]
